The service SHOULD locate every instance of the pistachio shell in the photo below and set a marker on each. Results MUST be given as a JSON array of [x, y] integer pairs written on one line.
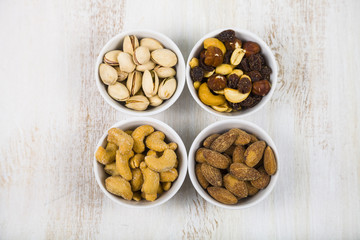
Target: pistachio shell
[[134, 82], [150, 83], [137, 102], [108, 74], [126, 63], [118, 91], [151, 44], [130, 43], [165, 72], [147, 66], [167, 88], [164, 57], [155, 101], [141, 55], [111, 57], [121, 75]]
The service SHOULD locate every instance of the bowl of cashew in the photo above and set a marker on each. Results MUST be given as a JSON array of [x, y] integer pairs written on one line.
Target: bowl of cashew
[[165, 149]]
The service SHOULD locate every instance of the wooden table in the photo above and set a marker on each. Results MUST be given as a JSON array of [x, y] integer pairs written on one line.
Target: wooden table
[[52, 116]]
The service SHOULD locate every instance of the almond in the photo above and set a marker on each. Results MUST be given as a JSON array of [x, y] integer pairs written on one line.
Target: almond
[[216, 159], [235, 186], [222, 195], [211, 174], [224, 141], [243, 138], [254, 153], [208, 141], [262, 181], [200, 177], [253, 138], [243, 172], [238, 154], [251, 189], [269, 161], [199, 155], [230, 150]]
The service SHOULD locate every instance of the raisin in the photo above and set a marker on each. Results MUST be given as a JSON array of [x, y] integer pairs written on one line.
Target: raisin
[[227, 56], [265, 72], [197, 74], [250, 101], [254, 62], [244, 85], [255, 76], [235, 106], [227, 35], [233, 81], [244, 65]]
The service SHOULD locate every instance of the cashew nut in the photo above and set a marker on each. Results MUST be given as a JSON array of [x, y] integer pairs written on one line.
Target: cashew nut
[[160, 190], [137, 196], [208, 98], [136, 160], [111, 169], [122, 164], [151, 182], [106, 156], [119, 186], [155, 141], [164, 163], [138, 135], [169, 176], [166, 185], [151, 153], [123, 140], [129, 132], [137, 180], [172, 146]]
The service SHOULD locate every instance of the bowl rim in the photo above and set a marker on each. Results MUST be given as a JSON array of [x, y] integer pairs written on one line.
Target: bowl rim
[[182, 167], [274, 74], [179, 68], [191, 163]]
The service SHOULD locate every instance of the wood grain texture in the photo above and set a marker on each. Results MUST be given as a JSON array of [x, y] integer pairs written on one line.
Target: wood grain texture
[[53, 115]]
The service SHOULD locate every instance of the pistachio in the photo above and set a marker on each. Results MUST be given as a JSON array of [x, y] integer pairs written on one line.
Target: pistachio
[[141, 55], [108, 74], [155, 101], [151, 44], [118, 91], [134, 82], [126, 63], [130, 43], [165, 72], [167, 88], [121, 75], [147, 66], [237, 56], [150, 83], [137, 102], [164, 57], [111, 57]]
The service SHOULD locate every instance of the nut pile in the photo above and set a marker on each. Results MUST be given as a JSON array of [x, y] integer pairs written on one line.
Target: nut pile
[[234, 165], [148, 69], [229, 74], [140, 163]]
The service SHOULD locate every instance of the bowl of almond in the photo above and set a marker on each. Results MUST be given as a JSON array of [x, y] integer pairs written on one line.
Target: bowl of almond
[[140, 72], [231, 72], [233, 164]]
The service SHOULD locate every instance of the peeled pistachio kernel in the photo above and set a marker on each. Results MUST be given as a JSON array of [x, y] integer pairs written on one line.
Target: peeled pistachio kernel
[[194, 62], [130, 43], [164, 57], [151, 44], [133, 82], [147, 66], [121, 75], [224, 69], [118, 91], [126, 63], [155, 101], [150, 83], [237, 56], [137, 102], [141, 55], [111, 57], [164, 72], [167, 88], [108, 74]]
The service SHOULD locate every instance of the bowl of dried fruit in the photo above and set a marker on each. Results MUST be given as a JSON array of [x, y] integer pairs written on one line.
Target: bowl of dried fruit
[[140, 72], [231, 72], [140, 162], [233, 164]]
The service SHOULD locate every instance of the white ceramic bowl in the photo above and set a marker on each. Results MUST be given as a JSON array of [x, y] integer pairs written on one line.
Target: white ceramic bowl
[[171, 136], [116, 43], [221, 127], [244, 35]]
